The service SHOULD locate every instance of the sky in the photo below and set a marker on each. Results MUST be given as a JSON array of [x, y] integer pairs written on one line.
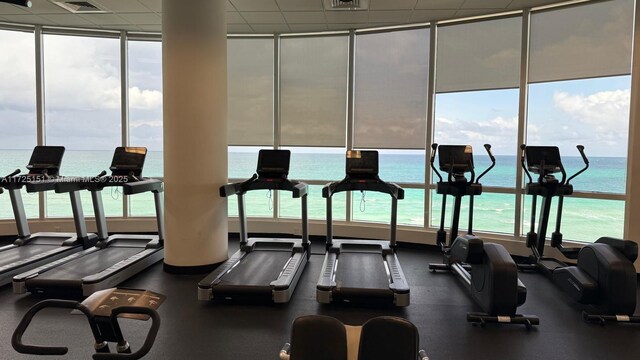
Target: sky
[[82, 90]]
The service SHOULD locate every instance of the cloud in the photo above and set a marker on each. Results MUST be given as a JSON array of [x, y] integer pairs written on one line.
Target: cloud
[[17, 69], [500, 132], [604, 115], [144, 99], [81, 73]]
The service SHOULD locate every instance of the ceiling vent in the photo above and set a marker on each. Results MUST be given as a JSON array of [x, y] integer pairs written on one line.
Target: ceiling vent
[[346, 5], [80, 7]]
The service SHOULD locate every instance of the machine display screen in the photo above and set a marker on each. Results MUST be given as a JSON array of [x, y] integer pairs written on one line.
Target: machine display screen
[[128, 161], [455, 158], [273, 163], [549, 154], [47, 158], [362, 164]]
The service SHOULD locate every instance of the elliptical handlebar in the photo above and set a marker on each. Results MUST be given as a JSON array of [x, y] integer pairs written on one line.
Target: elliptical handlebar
[[493, 162], [434, 148], [523, 148], [586, 163]]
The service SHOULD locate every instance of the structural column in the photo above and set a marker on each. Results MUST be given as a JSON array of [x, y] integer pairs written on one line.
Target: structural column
[[632, 205], [194, 68]]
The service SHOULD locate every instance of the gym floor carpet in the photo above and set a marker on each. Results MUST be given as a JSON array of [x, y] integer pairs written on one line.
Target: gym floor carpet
[[192, 329]]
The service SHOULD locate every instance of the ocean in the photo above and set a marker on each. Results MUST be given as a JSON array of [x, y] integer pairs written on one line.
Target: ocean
[[583, 219]]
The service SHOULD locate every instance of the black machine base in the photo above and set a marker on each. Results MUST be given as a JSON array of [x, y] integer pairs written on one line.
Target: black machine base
[[482, 319], [603, 319], [491, 276], [189, 270]]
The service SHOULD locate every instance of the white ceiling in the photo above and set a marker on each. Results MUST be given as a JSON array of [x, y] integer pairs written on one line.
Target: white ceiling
[[266, 16]]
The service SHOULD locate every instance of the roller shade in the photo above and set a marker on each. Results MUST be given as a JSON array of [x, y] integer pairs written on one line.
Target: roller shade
[[391, 89], [481, 55], [250, 91], [313, 95], [584, 41]]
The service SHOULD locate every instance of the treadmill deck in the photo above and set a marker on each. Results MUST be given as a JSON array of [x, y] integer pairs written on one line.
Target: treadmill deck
[[266, 268]]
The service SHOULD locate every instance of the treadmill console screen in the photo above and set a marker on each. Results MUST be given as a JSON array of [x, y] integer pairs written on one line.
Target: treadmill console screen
[[455, 159], [273, 164], [549, 154], [128, 161], [362, 164], [46, 158]]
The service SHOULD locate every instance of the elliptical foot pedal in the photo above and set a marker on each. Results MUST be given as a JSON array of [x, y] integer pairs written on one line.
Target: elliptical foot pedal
[[603, 319], [482, 319]]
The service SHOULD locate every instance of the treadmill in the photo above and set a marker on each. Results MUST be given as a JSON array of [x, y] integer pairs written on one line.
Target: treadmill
[[32, 250], [362, 270], [263, 268], [114, 258]]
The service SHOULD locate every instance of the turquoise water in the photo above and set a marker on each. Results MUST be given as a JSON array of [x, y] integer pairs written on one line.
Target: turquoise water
[[584, 219]]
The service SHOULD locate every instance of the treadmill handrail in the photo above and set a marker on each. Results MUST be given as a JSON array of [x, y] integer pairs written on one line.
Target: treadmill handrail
[[42, 185], [130, 185], [354, 184], [32, 182], [377, 185], [297, 188], [142, 186]]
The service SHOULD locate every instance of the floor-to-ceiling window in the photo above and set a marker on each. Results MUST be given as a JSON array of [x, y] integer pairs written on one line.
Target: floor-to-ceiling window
[[292, 92], [18, 134], [390, 115], [579, 93], [145, 113], [313, 109], [250, 115], [477, 80], [82, 111]]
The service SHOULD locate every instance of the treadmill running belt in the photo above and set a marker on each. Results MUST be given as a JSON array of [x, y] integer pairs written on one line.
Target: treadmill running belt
[[362, 271], [258, 268], [22, 252], [89, 264]]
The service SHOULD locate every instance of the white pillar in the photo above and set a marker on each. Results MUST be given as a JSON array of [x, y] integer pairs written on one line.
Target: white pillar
[[194, 68], [632, 205]]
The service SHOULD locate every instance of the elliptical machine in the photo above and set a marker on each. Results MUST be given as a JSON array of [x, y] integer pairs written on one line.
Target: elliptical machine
[[604, 276], [487, 270]]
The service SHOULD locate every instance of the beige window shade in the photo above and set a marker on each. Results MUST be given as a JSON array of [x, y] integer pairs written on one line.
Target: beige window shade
[[391, 78], [250, 91], [313, 95], [584, 41], [481, 55]]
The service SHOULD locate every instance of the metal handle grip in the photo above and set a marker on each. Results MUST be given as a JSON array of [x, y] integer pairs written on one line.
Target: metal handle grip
[[581, 150], [586, 163], [432, 158], [148, 342], [493, 162], [523, 147], [16, 339], [422, 355], [285, 352], [14, 173]]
